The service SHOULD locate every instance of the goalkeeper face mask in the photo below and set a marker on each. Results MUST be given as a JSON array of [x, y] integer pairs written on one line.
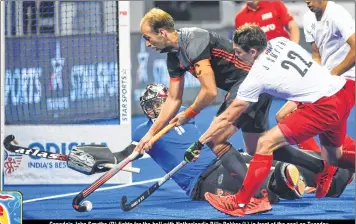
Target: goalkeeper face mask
[[152, 99]]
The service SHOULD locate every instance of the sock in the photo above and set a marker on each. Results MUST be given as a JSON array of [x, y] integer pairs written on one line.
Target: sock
[[292, 155], [347, 160], [310, 144], [259, 169], [233, 162], [349, 144]]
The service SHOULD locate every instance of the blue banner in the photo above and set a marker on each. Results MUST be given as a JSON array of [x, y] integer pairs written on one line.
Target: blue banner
[[61, 80]]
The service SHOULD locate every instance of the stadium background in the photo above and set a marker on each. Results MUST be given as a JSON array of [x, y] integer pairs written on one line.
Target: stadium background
[[64, 84]]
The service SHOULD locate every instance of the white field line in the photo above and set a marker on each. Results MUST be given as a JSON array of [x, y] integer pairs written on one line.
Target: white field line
[[100, 189]]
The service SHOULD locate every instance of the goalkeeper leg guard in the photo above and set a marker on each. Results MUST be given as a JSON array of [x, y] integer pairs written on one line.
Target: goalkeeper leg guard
[[289, 154]]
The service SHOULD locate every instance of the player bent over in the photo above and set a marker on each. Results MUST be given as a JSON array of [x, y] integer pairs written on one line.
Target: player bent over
[[284, 69]]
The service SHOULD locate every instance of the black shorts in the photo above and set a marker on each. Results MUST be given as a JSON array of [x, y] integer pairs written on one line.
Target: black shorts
[[255, 118]]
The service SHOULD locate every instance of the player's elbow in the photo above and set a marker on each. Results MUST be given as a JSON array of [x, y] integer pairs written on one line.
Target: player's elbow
[[210, 93], [213, 93], [293, 26], [176, 100]]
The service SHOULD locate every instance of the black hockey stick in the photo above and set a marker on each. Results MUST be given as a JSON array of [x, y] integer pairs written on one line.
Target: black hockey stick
[[128, 206], [80, 206], [48, 155], [30, 152]]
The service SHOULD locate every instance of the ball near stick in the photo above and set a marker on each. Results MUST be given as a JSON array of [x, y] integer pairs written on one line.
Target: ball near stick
[[88, 205]]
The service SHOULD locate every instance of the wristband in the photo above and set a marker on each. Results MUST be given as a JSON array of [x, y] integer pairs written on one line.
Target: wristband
[[190, 113]]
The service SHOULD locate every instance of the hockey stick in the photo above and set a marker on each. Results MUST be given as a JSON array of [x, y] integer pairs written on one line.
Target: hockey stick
[[49, 155], [128, 206], [87, 205]]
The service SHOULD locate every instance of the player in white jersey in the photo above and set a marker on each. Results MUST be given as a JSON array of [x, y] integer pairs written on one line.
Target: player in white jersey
[[332, 37], [331, 30], [284, 69]]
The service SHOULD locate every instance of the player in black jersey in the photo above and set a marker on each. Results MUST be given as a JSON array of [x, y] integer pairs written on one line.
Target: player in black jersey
[[210, 58]]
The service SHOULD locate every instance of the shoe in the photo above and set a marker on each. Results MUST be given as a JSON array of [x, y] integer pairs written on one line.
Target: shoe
[[221, 192], [225, 204], [323, 180], [226, 193], [292, 175], [258, 205], [309, 190], [229, 205], [294, 179]]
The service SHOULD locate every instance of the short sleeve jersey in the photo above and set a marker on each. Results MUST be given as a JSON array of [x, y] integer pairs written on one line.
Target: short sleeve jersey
[[330, 35], [287, 71], [197, 44], [271, 16]]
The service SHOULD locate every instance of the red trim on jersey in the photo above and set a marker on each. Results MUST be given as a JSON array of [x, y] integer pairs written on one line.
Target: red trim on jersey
[[230, 58], [176, 79]]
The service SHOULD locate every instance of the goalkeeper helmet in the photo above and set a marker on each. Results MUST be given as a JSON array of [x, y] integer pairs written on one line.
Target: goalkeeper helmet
[[152, 99]]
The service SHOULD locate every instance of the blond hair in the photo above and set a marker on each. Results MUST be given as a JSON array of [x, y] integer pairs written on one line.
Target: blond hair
[[157, 18]]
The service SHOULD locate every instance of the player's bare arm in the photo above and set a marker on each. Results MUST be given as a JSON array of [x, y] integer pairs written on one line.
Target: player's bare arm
[[172, 104], [224, 120], [294, 31], [349, 60], [169, 109], [315, 53], [208, 91]]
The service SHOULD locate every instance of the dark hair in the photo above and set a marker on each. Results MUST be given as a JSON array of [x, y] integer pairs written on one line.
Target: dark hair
[[250, 36], [157, 18]]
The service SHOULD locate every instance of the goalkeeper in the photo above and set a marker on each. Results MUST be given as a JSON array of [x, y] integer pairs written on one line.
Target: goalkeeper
[[207, 174]]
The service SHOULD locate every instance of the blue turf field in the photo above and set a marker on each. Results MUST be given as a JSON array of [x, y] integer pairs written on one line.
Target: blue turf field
[[170, 202]]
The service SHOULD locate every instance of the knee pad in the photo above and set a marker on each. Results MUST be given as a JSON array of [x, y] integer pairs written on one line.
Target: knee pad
[[287, 182]]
